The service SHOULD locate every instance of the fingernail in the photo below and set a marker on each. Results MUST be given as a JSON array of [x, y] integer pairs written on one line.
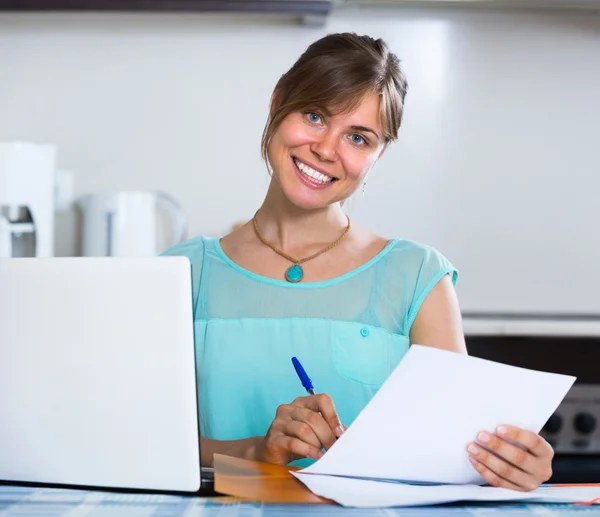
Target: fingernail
[[473, 449], [320, 454], [483, 437], [339, 430], [472, 460], [501, 429]]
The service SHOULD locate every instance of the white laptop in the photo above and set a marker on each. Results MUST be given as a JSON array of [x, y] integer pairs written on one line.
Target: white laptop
[[98, 374]]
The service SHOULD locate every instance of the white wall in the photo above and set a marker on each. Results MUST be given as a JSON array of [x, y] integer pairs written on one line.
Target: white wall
[[497, 165]]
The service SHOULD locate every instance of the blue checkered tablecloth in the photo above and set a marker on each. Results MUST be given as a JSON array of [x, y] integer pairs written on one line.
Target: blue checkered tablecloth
[[51, 502]]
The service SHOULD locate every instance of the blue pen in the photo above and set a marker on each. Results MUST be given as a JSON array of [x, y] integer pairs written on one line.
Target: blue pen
[[304, 378]]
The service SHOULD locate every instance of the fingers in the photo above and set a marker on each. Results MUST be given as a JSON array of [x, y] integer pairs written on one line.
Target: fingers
[[312, 427], [296, 446], [522, 459], [493, 478], [516, 457], [323, 404], [303, 429], [532, 441], [524, 449], [499, 472]]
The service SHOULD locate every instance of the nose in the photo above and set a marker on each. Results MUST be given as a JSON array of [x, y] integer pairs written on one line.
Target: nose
[[325, 147]]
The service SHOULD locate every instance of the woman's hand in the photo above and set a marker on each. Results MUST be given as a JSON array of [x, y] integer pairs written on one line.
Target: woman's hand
[[300, 430], [506, 465]]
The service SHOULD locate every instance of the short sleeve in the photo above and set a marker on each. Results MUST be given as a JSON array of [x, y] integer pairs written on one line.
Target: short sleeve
[[432, 267], [193, 249]]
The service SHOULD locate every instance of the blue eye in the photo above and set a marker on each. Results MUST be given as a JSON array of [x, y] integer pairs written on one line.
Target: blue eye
[[314, 118], [357, 139]]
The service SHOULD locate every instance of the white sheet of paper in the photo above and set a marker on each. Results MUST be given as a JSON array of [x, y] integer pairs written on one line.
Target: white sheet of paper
[[369, 494], [417, 426]]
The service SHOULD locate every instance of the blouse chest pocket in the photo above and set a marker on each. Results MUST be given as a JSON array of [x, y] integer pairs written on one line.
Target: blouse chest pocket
[[366, 354]]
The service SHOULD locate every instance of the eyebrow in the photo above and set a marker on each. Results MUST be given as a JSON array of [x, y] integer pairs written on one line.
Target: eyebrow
[[364, 129]]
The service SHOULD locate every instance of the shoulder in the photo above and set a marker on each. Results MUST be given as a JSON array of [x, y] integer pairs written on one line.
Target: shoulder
[[414, 249], [192, 248], [412, 271], [187, 247], [423, 260]]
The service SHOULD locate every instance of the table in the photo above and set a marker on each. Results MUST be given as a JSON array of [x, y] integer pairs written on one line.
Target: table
[[52, 502]]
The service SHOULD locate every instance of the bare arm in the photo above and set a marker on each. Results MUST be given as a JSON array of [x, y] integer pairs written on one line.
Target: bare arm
[[438, 322]]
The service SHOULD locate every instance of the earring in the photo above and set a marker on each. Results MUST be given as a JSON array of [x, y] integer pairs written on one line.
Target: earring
[[364, 187]]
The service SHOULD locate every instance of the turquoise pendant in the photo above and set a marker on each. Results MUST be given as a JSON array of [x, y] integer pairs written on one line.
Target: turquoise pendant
[[294, 273]]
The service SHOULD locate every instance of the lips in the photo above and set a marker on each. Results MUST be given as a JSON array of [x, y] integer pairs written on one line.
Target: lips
[[314, 181], [311, 173]]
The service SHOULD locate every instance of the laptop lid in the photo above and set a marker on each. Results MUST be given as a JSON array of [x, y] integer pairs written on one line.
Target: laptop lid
[[98, 373]]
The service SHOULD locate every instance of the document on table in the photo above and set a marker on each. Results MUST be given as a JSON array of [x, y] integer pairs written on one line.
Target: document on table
[[416, 428], [364, 493]]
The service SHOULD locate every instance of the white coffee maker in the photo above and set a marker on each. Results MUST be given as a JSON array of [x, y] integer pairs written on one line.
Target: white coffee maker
[[27, 182]]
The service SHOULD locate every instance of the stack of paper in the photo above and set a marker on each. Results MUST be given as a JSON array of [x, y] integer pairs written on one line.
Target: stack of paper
[[408, 446], [367, 493]]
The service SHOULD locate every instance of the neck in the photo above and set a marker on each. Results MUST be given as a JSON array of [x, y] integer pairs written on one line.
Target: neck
[[287, 226]]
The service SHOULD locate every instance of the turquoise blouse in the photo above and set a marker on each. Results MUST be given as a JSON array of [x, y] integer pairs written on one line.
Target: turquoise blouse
[[348, 332]]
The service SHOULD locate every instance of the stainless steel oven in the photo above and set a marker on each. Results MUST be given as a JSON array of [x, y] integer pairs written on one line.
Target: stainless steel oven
[[561, 345]]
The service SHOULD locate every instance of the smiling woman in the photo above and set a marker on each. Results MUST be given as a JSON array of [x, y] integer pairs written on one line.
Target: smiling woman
[[300, 279], [332, 116], [330, 154]]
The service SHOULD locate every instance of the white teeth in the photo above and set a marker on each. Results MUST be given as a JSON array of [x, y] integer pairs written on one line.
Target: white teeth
[[311, 173]]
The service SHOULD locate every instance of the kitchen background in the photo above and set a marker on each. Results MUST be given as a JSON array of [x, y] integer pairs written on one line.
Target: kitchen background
[[497, 163]]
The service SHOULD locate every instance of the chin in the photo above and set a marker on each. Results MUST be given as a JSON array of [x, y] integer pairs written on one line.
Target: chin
[[307, 200]]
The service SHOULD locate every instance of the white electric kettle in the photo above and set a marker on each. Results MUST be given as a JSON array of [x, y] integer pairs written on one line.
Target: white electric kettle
[[126, 224]]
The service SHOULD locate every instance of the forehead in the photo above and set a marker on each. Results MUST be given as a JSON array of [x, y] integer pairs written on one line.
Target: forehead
[[367, 112]]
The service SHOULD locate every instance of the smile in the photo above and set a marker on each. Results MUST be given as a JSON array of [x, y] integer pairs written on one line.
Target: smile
[[314, 176]]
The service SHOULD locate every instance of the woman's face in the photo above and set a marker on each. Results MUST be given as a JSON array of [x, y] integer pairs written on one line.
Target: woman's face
[[320, 159]]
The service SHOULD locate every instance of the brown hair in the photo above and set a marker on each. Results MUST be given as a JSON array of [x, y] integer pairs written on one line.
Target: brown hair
[[333, 74]]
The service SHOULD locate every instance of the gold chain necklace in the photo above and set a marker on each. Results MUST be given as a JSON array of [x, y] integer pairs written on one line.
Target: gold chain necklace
[[295, 273]]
